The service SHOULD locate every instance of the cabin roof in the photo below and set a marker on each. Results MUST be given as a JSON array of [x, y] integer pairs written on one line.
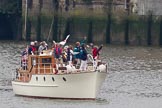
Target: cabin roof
[[41, 56]]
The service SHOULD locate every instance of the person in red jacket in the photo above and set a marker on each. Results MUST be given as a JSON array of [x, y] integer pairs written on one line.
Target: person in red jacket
[[95, 52]]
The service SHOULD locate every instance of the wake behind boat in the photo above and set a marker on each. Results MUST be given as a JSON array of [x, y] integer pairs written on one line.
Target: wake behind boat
[[41, 76]]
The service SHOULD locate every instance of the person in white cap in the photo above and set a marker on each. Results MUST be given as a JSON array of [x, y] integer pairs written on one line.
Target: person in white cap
[[31, 49]]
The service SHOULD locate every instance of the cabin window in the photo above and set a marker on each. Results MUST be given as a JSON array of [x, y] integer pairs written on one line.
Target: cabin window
[[64, 79], [36, 78], [46, 61], [53, 79]]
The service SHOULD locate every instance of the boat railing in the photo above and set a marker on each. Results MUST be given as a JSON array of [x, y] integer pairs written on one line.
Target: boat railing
[[50, 68], [47, 68], [23, 75]]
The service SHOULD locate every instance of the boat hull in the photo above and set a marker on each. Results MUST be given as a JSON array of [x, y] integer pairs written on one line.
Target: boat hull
[[73, 86]]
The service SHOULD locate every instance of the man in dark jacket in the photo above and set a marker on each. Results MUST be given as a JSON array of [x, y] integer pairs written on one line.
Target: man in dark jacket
[[83, 57]]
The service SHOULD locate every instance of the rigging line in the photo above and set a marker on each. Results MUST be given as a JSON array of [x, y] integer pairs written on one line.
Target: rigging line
[[50, 29]]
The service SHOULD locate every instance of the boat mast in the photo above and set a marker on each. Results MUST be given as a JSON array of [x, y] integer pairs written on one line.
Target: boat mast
[[26, 14]]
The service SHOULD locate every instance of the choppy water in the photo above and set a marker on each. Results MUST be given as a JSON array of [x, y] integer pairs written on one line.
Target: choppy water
[[134, 80]]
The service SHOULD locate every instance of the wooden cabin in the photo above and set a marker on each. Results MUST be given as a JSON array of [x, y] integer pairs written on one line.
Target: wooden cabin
[[37, 64]]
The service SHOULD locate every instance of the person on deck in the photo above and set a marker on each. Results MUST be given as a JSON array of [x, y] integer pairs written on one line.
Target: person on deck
[[42, 47], [77, 53], [31, 49], [70, 54], [57, 53], [24, 60], [95, 54], [83, 57], [84, 41], [64, 54], [36, 44]]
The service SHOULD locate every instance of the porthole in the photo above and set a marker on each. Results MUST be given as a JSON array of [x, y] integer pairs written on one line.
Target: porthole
[[36, 78], [53, 79], [64, 78], [44, 79]]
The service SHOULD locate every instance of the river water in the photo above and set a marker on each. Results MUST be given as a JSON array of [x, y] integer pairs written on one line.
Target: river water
[[134, 79]]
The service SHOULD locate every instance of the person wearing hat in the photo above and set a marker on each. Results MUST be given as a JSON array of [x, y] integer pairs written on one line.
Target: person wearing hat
[[31, 49]]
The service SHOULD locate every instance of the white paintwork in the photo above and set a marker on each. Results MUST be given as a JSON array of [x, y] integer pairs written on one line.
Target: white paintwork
[[79, 85]]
